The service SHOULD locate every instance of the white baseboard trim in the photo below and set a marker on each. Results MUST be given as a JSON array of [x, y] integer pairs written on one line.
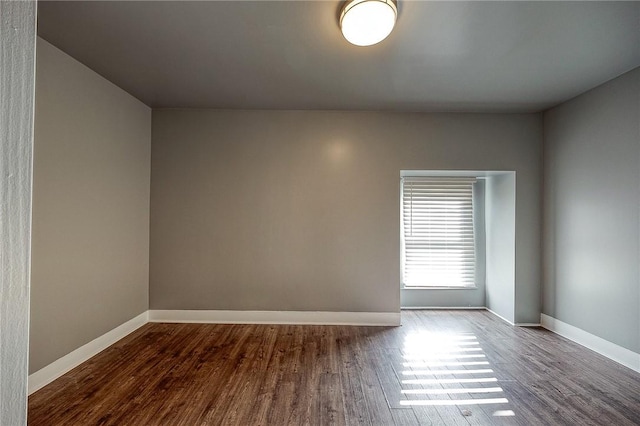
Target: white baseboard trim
[[604, 347], [46, 375], [515, 324], [448, 308], [276, 317], [527, 324], [501, 317]]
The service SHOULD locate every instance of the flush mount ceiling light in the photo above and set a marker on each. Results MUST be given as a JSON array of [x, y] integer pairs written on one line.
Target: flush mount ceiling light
[[367, 22]]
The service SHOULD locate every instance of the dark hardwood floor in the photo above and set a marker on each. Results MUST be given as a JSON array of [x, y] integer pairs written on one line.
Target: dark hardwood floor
[[440, 367]]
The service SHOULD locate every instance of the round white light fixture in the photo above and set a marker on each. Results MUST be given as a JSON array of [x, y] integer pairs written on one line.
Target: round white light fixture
[[367, 22]]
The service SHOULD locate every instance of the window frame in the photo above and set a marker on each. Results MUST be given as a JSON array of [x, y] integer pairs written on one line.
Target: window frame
[[444, 178]]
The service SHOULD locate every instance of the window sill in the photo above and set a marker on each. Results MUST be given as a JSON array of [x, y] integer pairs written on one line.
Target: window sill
[[439, 288]]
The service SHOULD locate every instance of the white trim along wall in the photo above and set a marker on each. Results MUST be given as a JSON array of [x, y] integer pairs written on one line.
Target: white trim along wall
[[597, 344], [46, 375], [277, 317]]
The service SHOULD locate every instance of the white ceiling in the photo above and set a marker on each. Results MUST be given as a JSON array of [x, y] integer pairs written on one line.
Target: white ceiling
[[442, 56]]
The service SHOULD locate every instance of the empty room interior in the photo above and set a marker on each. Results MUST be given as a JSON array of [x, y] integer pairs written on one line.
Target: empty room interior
[[250, 213]]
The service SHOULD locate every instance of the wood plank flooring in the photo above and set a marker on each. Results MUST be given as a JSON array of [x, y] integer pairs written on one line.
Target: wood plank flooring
[[440, 367]]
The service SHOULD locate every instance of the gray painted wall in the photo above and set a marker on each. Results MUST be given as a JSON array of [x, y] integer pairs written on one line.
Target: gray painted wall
[[17, 61], [91, 207], [298, 210], [592, 211], [500, 202]]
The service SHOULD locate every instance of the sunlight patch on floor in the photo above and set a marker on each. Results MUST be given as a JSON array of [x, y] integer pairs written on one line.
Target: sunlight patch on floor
[[448, 354]]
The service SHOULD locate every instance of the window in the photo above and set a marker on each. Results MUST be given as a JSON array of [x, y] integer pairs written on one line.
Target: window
[[438, 243]]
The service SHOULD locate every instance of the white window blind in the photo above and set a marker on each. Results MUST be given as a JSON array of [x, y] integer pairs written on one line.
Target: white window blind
[[438, 246]]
